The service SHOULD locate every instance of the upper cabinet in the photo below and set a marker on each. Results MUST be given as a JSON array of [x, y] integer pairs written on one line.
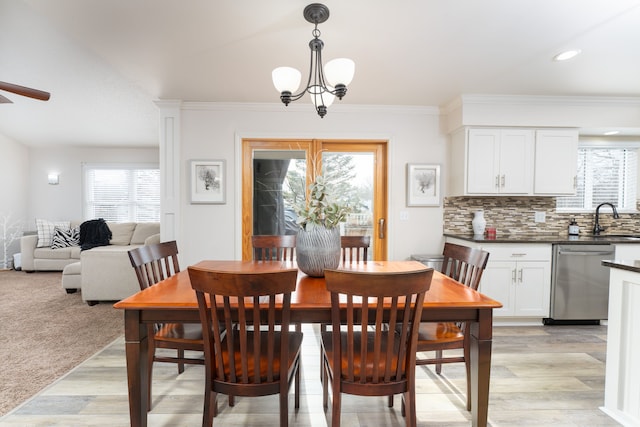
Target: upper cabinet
[[513, 162], [556, 162], [499, 161]]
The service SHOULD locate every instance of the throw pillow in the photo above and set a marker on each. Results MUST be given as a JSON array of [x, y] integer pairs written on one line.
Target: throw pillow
[[65, 237], [46, 229]]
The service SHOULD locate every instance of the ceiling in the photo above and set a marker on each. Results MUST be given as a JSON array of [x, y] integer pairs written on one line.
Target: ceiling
[[106, 62]]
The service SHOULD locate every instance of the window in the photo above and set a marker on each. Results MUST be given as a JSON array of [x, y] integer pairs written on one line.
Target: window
[[605, 174], [122, 192]]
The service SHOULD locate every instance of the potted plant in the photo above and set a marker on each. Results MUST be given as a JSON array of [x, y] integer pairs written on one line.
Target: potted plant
[[318, 239]]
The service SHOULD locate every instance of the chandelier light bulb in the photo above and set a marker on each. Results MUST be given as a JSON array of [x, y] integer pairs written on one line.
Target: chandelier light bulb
[[339, 71], [321, 98], [286, 79]]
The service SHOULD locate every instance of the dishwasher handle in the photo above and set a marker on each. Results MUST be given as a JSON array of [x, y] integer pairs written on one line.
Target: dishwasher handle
[[585, 253]]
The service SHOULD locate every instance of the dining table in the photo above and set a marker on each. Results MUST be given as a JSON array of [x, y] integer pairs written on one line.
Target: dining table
[[173, 300]]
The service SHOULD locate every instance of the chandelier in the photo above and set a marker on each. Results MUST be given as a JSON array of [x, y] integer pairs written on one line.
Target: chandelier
[[324, 84]]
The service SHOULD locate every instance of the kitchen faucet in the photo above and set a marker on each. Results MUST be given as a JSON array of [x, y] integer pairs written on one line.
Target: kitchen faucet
[[597, 228]]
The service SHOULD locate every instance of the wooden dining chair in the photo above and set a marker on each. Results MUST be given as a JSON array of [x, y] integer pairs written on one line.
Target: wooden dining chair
[[355, 248], [274, 247], [465, 265], [258, 355], [153, 263], [365, 357]]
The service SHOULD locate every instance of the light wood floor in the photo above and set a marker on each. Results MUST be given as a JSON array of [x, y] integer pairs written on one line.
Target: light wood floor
[[541, 376]]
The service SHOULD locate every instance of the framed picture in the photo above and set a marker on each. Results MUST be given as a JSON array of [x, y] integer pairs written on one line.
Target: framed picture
[[423, 185], [208, 181]]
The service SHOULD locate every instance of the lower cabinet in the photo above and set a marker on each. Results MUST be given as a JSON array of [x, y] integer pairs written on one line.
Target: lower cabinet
[[518, 276], [523, 287]]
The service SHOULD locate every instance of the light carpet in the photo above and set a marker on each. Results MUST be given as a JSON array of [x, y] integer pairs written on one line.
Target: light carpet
[[45, 332]]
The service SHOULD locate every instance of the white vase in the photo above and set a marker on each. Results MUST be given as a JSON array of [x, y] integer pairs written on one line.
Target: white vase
[[479, 223]]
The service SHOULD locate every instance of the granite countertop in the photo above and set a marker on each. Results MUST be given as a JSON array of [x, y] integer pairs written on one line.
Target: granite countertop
[[549, 238], [630, 265]]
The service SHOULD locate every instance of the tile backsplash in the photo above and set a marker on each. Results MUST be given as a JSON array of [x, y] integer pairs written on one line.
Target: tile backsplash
[[515, 215]]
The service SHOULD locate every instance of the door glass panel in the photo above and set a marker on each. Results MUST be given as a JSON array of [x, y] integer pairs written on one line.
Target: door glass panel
[[272, 172], [350, 177], [274, 179]]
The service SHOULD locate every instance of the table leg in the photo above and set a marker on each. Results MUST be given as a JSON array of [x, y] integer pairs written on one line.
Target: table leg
[[136, 346], [480, 345]]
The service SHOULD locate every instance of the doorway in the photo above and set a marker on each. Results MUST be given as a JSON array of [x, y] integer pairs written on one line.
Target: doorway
[[275, 170]]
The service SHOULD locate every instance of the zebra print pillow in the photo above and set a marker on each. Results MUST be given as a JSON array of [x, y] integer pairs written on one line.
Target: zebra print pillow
[[65, 237]]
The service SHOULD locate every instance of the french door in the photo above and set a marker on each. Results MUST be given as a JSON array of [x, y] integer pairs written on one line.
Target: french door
[[276, 171]]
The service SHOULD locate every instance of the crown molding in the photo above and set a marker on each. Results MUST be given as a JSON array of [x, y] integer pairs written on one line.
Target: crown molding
[[545, 100], [337, 108]]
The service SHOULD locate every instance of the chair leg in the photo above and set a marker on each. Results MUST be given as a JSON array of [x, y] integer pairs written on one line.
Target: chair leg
[[180, 365], [439, 365], [325, 386], [232, 400], [409, 403], [297, 387], [467, 365], [210, 407], [336, 402], [284, 405], [150, 357], [390, 403]]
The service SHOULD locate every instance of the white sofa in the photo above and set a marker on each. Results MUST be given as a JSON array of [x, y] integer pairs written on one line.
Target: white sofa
[[33, 258], [105, 271]]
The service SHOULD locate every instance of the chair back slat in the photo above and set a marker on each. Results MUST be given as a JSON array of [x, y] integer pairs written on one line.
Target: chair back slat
[[355, 248], [274, 247], [375, 353], [464, 264], [154, 263]]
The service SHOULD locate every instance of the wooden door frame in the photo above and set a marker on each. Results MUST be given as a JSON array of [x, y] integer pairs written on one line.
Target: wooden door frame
[[312, 148]]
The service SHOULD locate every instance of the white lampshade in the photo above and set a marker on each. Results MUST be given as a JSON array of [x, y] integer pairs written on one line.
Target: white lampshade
[[286, 79], [339, 71], [327, 98]]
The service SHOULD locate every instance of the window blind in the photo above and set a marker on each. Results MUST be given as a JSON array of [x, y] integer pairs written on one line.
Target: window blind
[[122, 193], [604, 175]]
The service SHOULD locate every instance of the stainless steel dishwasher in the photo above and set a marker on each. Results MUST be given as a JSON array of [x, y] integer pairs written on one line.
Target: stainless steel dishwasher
[[579, 284]]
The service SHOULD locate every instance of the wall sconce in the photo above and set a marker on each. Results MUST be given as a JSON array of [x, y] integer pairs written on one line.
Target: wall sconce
[[54, 178]]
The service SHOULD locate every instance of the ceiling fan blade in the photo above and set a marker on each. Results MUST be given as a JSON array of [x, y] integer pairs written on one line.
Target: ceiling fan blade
[[25, 91], [5, 100]]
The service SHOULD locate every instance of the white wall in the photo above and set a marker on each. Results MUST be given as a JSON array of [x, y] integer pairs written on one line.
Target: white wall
[[14, 175], [64, 201], [213, 131]]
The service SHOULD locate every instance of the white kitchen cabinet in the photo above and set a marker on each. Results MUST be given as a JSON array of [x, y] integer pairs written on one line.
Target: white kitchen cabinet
[[499, 161], [519, 276], [556, 162], [627, 252], [513, 162]]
